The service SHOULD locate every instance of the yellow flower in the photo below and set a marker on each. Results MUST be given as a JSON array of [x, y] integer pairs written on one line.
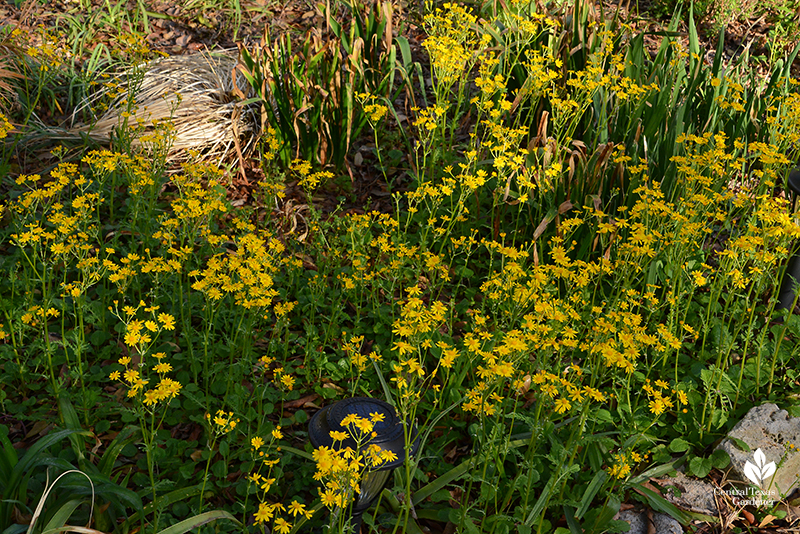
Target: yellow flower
[[167, 321], [131, 376], [620, 470], [5, 126], [349, 419], [150, 397], [277, 434], [328, 498], [562, 405], [288, 381], [257, 442], [162, 368], [657, 406], [338, 435], [282, 526], [265, 513], [365, 425], [377, 417], [296, 508], [114, 376]]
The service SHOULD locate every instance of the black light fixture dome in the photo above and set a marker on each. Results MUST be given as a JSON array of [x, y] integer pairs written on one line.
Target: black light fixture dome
[[791, 278], [389, 435]]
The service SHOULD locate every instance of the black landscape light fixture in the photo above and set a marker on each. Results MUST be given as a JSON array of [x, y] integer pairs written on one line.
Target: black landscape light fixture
[[791, 278], [389, 435]]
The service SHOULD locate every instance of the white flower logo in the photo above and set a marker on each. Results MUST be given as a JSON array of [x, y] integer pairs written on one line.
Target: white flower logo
[[761, 470]]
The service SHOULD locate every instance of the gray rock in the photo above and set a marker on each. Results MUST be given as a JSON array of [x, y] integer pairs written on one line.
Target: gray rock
[[636, 520], [662, 523], [690, 494], [777, 435], [666, 524]]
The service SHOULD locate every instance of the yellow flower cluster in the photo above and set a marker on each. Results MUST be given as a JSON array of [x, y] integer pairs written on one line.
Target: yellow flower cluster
[[309, 180], [343, 468], [5, 126], [658, 401], [280, 377], [164, 391], [37, 313], [353, 350], [202, 198], [272, 511], [247, 274], [223, 421], [566, 392], [623, 463], [141, 333], [384, 253], [374, 111], [451, 42], [43, 47]]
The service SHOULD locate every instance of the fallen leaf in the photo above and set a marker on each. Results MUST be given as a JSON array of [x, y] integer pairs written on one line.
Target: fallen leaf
[[40, 428], [749, 517], [767, 520], [301, 401], [183, 40]]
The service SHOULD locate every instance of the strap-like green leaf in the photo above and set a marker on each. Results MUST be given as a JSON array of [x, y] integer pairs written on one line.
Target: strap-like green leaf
[[199, 520]]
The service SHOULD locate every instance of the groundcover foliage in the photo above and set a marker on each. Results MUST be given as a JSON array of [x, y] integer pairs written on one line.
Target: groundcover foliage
[[575, 290]]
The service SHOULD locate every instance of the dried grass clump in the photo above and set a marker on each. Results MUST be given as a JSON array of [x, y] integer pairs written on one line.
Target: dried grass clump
[[196, 94], [8, 72]]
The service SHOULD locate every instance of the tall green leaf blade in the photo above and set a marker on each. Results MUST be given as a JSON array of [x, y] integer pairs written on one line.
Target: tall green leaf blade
[[198, 521], [72, 422], [591, 490], [60, 517], [106, 463]]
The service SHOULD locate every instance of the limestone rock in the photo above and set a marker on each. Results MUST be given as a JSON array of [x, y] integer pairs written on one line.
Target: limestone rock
[[771, 430], [690, 494], [662, 523]]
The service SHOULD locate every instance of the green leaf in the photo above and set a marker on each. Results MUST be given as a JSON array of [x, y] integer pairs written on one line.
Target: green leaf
[[618, 526], [162, 503], [700, 467], [8, 456], [440, 482], [72, 422], [679, 445], [598, 519], [36, 455], [591, 490], [488, 491], [741, 444], [61, 516], [220, 469], [694, 40], [198, 521], [720, 459], [15, 529], [544, 497], [658, 503], [106, 463]]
